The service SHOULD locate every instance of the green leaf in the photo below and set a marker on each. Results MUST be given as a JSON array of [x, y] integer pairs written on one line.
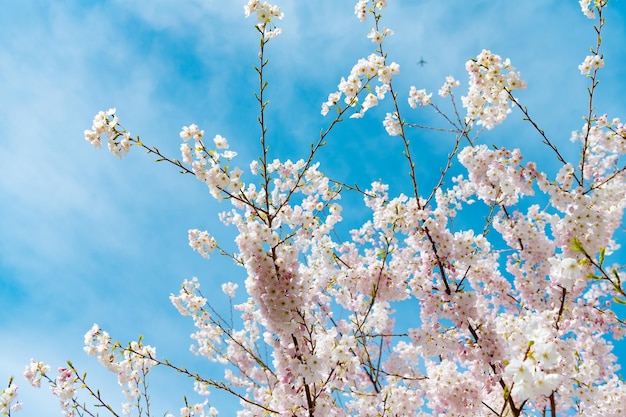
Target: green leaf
[[616, 274], [602, 254], [577, 246], [619, 300]]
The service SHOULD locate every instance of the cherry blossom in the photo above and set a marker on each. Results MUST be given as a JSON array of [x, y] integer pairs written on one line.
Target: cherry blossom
[[487, 101], [450, 83], [591, 62], [418, 97], [514, 317], [8, 397]]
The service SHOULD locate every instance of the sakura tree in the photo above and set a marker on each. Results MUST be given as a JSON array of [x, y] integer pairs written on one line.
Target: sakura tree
[[513, 317]]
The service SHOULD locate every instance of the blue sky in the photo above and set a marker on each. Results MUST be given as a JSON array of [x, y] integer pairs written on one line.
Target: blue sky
[[87, 238]]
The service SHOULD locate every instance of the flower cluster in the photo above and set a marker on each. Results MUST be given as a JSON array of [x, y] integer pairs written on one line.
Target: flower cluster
[[365, 70], [487, 100], [118, 140], [422, 98], [210, 165], [392, 124], [588, 6], [361, 7], [8, 400], [532, 370], [63, 386], [566, 272], [606, 142], [265, 14], [591, 62], [131, 365], [418, 97], [189, 302], [498, 175], [360, 76], [453, 389], [34, 371], [447, 87], [201, 242], [229, 289], [377, 37]]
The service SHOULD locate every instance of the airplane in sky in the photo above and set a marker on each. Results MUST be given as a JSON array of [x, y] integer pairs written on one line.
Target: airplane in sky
[[422, 62]]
